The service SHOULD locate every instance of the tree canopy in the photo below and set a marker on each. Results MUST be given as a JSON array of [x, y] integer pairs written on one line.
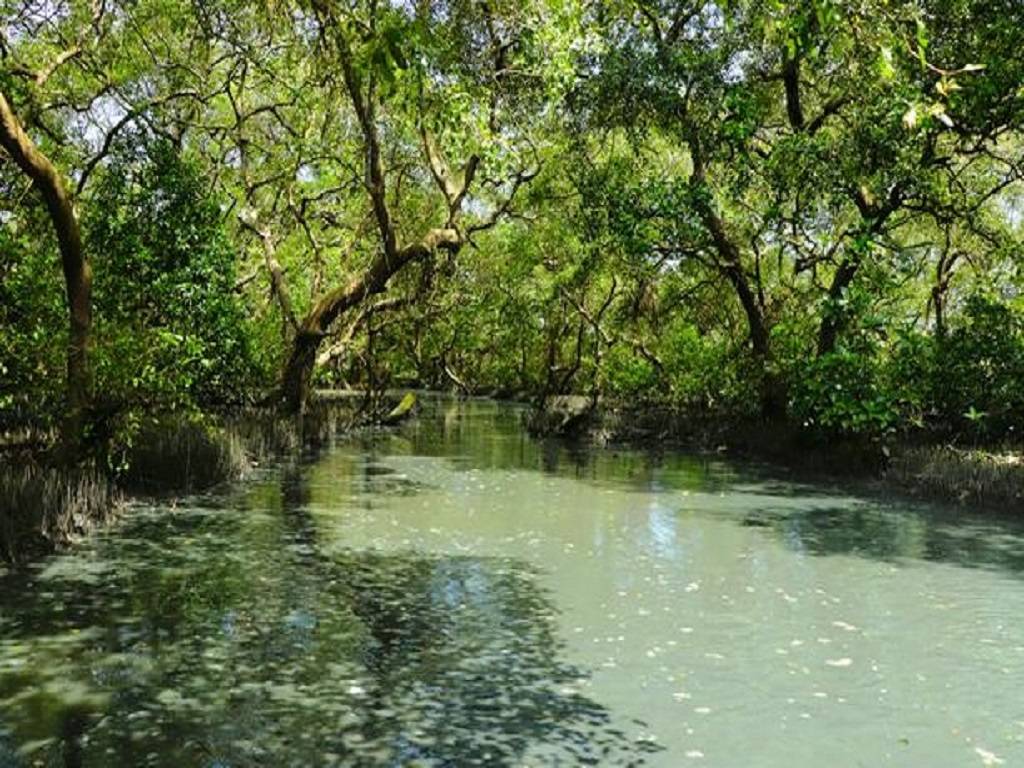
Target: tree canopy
[[788, 211]]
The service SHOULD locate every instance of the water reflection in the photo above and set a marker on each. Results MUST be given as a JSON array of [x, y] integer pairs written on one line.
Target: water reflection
[[893, 532], [202, 645], [458, 594]]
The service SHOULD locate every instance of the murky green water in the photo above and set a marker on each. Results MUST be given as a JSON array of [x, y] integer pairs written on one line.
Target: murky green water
[[457, 594]]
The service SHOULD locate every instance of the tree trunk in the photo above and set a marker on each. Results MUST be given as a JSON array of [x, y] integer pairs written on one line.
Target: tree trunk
[[759, 337], [833, 322], [77, 271], [730, 265], [943, 276], [939, 301], [298, 371], [874, 216], [772, 389]]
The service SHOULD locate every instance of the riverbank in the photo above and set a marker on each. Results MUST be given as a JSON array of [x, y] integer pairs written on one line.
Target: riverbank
[[980, 476], [991, 478], [46, 506]]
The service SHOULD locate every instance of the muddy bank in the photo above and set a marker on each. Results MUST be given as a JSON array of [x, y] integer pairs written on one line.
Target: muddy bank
[[979, 476], [987, 477], [45, 505]]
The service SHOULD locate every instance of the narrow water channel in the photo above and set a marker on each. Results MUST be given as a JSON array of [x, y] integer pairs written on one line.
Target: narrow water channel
[[457, 593]]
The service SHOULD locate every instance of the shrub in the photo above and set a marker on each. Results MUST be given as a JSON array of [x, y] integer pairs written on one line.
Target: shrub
[[845, 393], [174, 333], [979, 369]]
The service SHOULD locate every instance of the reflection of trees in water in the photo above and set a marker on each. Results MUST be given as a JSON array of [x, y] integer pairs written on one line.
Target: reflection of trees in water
[[889, 533], [452, 661], [377, 660], [466, 647], [490, 436], [252, 647]]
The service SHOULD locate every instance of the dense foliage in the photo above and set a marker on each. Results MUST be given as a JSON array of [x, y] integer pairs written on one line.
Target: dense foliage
[[803, 211], [171, 325]]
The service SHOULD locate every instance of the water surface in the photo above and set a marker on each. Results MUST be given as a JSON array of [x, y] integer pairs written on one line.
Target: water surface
[[458, 594]]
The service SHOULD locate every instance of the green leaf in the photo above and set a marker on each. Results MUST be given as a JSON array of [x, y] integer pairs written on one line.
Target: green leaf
[[886, 70]]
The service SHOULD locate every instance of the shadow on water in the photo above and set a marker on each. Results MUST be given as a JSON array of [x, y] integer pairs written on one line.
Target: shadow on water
[[897, 531], [225, 637]]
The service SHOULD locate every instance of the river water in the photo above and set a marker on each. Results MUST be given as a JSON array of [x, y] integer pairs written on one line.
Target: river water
[[456, 593]]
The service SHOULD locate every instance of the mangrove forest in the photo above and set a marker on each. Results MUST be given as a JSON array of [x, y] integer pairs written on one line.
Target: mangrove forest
[[511, 383]]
